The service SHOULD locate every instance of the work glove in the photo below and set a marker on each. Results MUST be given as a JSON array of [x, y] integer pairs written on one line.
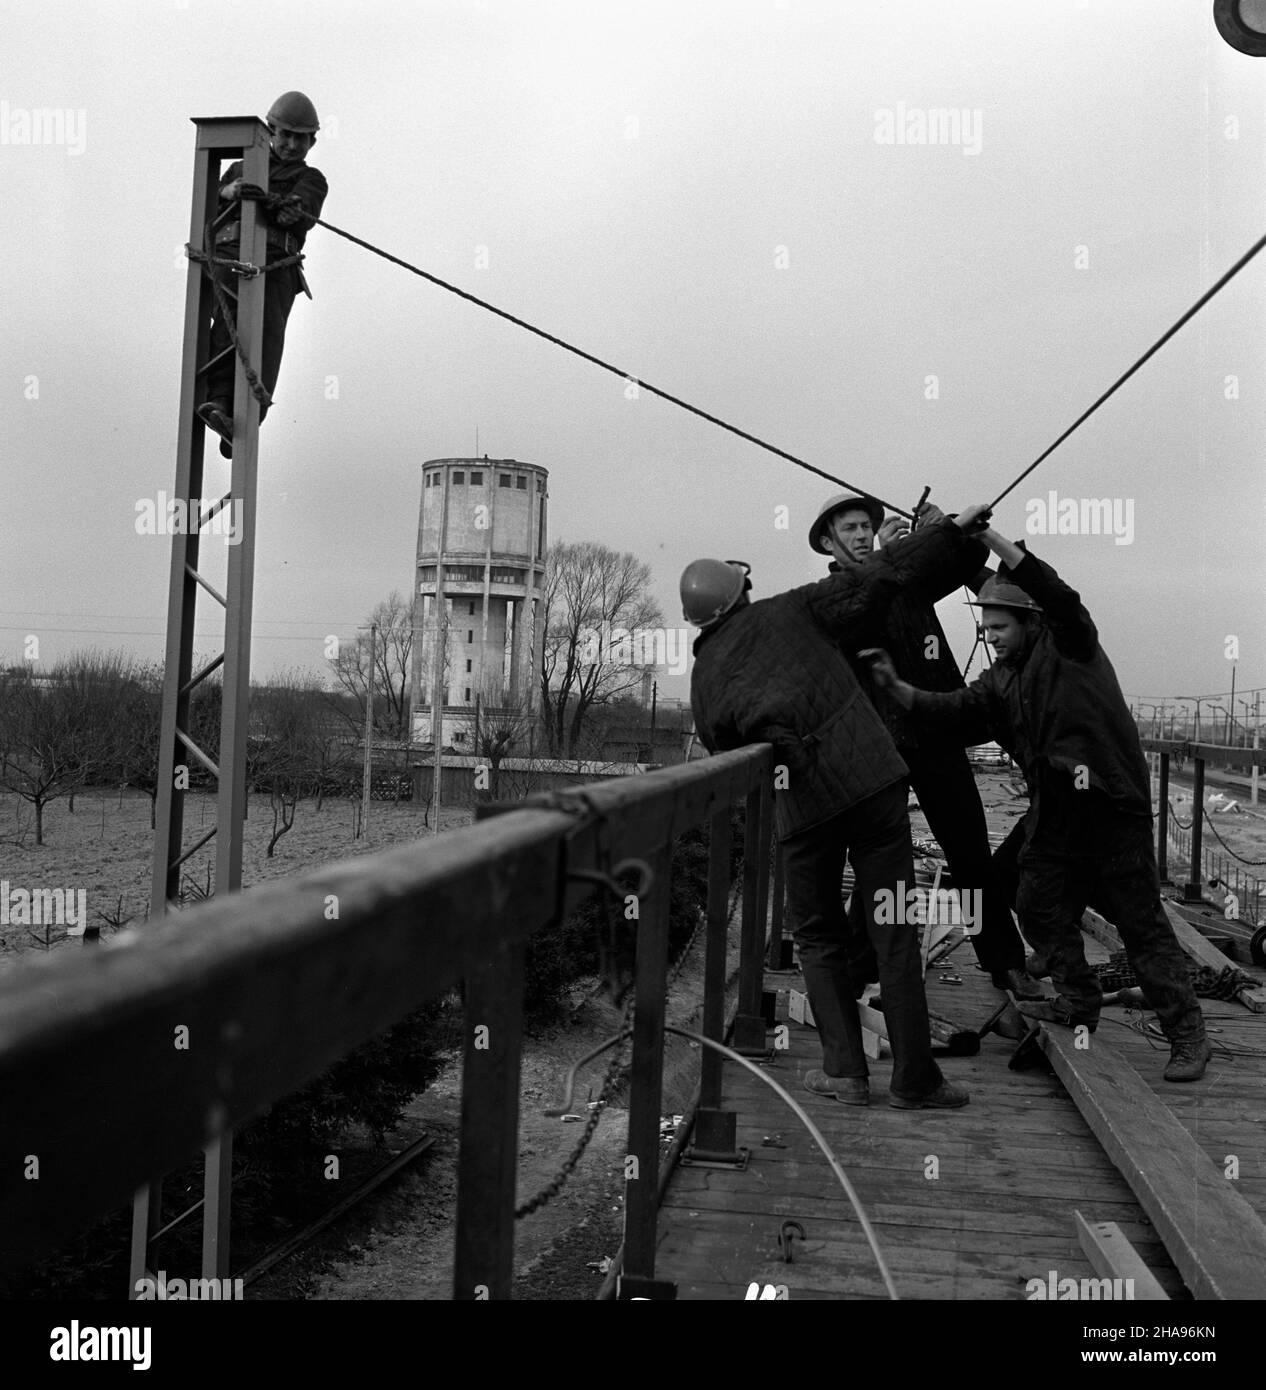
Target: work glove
[[286, 211], [250, 192]]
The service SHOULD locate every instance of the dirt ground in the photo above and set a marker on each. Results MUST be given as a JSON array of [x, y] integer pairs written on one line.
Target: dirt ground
[[105, 848], [398, 1243]]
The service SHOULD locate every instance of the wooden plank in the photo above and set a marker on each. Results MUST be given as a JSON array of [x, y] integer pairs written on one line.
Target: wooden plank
[[1206, 953], [1033, 1215], [1201, 951], [1213, 1235], [1114, 1257]]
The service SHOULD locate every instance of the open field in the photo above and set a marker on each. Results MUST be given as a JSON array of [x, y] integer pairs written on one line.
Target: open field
[[105, 849]]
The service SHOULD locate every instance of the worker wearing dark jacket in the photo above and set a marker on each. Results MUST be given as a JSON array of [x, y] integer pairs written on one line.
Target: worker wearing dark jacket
[[774, 671], [1053, 702], [940, 775], [296, 194]]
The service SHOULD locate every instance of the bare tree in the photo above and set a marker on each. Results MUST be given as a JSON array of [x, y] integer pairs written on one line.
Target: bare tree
[[56, 730], [286, 719], [393, 649], [497, 727], [597, 613], [140, 730]]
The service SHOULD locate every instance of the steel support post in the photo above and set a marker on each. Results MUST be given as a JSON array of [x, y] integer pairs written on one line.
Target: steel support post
[[489, 1156], [749, 1022], [1162, 822], [1193, 892], [715, 1129], [641, 1187], [217, 139]]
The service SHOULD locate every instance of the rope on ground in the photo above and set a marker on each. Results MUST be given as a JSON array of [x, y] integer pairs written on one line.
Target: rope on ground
[[800, 1113], [606, 366]]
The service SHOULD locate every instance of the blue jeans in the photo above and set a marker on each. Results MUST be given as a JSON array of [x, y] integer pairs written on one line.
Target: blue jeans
[[877, 833]]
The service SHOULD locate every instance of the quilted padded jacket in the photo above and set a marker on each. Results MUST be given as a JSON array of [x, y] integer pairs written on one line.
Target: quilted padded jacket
[[775, 671], [915, 640], [1061, 709]]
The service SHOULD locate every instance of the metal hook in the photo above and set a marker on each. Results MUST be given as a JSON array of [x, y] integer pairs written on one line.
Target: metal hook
[[786, 1234], [645, 877]]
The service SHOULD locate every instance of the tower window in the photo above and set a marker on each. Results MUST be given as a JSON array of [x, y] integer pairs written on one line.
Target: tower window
[[468, 694], [459, 478], [468, 666], [521, 484], [504, 480], [540, 485], [472, 610], [470, 636], [476, 480]]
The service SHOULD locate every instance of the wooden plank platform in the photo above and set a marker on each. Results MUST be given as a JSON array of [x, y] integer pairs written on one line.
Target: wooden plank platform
[[974, 1203], [966, 1204]]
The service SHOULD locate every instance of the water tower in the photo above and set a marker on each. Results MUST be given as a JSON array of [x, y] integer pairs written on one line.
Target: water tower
[[480, 569]]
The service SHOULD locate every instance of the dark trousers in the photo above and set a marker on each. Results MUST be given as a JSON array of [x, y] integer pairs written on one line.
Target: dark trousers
[[950, 801], [876, 833], [1121, 879], [280, 288]]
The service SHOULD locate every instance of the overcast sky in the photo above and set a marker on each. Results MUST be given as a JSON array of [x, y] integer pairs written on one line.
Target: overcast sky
[[712, 195]]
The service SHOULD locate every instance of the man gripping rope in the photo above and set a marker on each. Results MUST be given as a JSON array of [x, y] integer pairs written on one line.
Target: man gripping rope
[[774, 671], [940, 775], [1053, 702], [296, 194]]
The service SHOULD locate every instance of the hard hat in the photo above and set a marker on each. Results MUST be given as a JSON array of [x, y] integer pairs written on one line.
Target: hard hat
[[997, 592], [710, 588], [295, 112], [817, 531]]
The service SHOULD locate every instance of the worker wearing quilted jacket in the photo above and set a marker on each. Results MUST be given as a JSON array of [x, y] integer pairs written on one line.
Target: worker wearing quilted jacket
[[1052, 700], [774, 671]]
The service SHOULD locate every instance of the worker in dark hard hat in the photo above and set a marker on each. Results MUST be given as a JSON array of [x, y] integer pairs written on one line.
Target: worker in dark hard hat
[[1053, 702], [940, 775], [296, 194], [775, 671]]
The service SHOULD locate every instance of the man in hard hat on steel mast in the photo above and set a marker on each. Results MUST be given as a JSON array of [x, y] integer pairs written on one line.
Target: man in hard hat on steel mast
[[847, 528], [775, 671], [1053, 702], [296, 194]]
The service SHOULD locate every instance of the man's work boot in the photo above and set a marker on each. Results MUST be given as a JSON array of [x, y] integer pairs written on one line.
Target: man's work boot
[[1017, 982], [217, 414], [1037, 966], [947, 1096], [1187, 1059], [848, 1090], [1056, 1010]]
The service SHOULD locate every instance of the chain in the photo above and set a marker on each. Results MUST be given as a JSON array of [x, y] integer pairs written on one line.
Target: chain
[[625, 1031], [208, 259], [614, 1067]]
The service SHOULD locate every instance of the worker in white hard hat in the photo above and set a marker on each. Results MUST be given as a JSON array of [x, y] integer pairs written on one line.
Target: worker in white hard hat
[[296, 194], [776, 671], [1053, 702], [847, 528]]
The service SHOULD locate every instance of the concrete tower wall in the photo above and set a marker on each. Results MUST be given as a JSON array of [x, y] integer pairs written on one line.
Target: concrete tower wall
[[482, 522]]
